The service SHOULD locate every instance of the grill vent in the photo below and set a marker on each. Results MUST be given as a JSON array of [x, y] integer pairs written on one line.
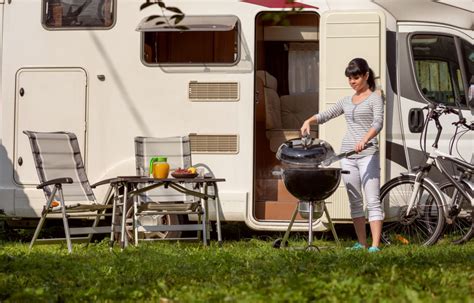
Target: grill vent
[[213, 91], [214, 144]]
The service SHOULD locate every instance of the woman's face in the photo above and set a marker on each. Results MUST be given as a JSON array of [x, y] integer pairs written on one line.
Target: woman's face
[[358, 82]]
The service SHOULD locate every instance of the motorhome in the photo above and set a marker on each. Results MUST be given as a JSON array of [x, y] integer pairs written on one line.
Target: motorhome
[[239, 78]]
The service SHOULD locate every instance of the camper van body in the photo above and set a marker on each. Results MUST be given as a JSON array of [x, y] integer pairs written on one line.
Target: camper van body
[[98, 83]]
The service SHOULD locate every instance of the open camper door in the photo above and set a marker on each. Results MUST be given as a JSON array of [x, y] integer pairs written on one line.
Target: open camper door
[[344, 36]]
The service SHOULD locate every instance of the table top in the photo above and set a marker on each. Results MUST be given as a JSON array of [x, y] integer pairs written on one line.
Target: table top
[[143, 179]]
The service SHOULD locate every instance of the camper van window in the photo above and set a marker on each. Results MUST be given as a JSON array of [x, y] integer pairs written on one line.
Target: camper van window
[[468, 56], [191, 46], [437, 68], [78, 14]]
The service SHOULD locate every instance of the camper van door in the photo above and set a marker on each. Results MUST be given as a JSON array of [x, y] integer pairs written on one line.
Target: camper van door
[[47, 99]]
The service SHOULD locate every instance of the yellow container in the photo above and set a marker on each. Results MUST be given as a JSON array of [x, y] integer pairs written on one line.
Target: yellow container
[[159, 167]]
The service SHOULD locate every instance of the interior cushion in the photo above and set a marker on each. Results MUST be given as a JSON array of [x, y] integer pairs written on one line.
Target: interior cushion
[[295, 109], [268, 80], [272, 109]]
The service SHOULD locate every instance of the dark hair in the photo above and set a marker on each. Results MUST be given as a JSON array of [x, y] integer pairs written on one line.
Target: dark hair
[[359, 67]]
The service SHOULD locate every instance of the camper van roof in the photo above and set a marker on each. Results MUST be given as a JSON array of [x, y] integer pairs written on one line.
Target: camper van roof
[[456, 13]]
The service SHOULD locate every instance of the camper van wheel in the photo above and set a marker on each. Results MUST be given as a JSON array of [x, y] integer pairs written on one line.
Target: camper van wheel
[[153, 219], [279, 243]]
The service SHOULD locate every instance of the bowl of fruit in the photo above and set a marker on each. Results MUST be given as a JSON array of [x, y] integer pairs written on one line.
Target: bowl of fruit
[[189, 172]]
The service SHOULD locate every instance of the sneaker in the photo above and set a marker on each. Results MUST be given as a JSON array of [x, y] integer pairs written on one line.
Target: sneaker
[[356, 246], [373, 249]]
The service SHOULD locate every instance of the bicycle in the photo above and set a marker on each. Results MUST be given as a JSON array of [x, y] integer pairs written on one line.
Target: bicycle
[[416, 209]]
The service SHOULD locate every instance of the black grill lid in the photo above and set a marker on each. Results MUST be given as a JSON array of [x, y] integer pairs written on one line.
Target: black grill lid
[[304, 151]]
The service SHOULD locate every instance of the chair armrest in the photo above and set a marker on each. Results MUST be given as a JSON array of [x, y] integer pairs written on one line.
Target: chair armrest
[[102, 182], [55, 182]]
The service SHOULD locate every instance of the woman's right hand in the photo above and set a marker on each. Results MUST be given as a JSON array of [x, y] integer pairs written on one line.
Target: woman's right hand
[[306, 127]]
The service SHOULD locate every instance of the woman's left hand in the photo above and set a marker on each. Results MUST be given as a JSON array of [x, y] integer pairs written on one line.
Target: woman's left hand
[[360, 146]]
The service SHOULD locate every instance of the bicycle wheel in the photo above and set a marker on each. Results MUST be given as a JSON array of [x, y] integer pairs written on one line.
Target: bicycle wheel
[[461, 229], [423, 225]]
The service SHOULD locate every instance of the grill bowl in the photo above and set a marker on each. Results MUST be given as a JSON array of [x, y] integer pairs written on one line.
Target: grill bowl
[[311, 184]]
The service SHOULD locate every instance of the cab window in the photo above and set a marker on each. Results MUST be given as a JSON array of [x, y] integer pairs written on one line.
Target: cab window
[[437, 70]]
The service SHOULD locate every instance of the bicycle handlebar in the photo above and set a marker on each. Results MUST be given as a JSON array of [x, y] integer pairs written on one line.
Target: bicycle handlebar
[[436, 110]]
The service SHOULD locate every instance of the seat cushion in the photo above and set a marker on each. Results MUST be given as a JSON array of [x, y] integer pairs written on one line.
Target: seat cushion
[[272, 100], [295, 109], [268, 80], [272, 109]]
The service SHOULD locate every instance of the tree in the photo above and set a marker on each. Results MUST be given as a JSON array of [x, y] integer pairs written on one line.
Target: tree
[[171, 21], [279, 18]]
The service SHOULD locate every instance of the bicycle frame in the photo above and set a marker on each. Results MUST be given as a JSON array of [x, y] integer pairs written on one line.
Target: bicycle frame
[[434, 160], [435, 111]]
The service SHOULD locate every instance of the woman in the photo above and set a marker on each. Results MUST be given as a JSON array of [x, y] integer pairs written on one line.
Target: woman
[[364, 117]]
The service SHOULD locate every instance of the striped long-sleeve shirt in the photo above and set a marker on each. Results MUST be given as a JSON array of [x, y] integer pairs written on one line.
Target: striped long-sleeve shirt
[[360, 118]]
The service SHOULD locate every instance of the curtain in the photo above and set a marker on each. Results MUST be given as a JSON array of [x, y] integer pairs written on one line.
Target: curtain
[[303, 68]]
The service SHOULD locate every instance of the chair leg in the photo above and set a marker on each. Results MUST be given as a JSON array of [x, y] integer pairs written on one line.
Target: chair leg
[[43, 218], [99, 214], [38, 228], [65, 220]]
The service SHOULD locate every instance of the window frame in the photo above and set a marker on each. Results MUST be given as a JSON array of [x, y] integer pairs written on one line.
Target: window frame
[[453, 80], [77, 28], [202, 65]]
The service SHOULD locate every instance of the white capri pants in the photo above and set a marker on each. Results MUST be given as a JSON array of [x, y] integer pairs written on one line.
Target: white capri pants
[[364, 172]]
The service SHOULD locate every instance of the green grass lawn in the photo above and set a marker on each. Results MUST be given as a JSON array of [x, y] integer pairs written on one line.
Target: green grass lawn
[[240, 271]]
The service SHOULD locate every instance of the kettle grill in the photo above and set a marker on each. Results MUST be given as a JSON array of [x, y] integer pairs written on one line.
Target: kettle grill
[[307, 176]]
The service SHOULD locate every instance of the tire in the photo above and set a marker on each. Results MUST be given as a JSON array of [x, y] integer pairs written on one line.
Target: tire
[[423, 225], [157, 219], [462, 228]]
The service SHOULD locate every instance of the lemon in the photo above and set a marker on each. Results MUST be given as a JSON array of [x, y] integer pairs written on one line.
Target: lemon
[[192, 170]]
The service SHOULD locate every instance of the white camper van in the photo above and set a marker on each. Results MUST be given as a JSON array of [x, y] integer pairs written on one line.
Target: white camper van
[[237, 82]]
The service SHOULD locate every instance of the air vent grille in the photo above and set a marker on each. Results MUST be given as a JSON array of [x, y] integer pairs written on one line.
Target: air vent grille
[[214, 144], [213, 91]]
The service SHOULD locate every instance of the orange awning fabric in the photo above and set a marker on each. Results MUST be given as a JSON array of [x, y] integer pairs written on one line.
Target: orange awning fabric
[[279, 4]]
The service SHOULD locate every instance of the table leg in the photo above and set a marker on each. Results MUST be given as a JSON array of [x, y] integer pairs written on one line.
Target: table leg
[[124, 215], [204, 223], [135, 219], [114, 214], [218, 211]]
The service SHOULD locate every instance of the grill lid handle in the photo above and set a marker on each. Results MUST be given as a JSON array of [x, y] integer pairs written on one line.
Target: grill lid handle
[[340, 156]]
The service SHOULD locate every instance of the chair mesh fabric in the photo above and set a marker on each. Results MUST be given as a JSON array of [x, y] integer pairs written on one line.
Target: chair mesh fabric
[[177, 150], [57, 155]]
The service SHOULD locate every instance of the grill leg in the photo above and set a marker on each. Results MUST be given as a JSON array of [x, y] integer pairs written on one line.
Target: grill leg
[[310, 223], [287, 233], [333, 230]]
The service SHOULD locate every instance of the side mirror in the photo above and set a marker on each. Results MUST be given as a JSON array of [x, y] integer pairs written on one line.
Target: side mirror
[[416, 119]]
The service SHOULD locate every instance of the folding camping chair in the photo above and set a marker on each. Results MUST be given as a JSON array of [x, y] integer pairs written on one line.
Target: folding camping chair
[[158, 212], [67, 190]]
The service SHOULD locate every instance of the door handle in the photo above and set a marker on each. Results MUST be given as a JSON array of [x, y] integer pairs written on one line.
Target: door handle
[[20, 161], [22, 91]]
